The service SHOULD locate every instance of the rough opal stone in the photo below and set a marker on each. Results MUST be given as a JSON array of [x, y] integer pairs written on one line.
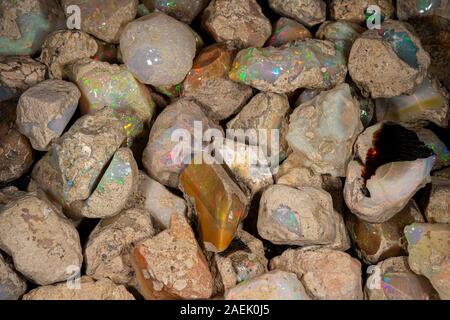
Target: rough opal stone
[[287, 30], [24, 24], [407, 9], [307, 12], [183, 10], [324, 129], [355, 10], [158, 49], [104, 19], [311, 64]]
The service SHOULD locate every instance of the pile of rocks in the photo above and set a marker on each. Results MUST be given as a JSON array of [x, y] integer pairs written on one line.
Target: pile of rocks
[[224, 149]]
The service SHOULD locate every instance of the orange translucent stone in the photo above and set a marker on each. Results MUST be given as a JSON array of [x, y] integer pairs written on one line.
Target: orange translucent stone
[[219, 203]]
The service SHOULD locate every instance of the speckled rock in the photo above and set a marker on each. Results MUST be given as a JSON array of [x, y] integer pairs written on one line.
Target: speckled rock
[[275, 285], [24, 24], [238, 20], [158, 49], [393, 280], [429, 247], [326, 274], [104, 19], [12, 285], [115, 188], [64, 47], [324, 129], [89, 289], [209, 85], [17, 74], [159, 160], [171, 265], [43, 244], [45, 109], [310, 63], [109, 247], [183, 10], [302, 216], [157, 200], [307, 12], [437, 203], [286, 30], [15, 149], [375, 242], [394, 54], [354, 10]]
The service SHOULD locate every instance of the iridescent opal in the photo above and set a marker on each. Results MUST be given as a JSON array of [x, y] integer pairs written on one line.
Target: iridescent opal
[[407, 9], [439, 148], [219, 203], [312, 64], [183, 10], [287, 30]]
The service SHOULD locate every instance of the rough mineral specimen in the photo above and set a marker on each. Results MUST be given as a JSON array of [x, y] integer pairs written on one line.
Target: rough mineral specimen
[[157, 200], [390, 165], [115, 188], [238, 20], [183, 10], [324, 129], [436, 204], [165, 156], [407, 9], [242, 261], [302, 216], [12, 285], [24, 24], [429, 247], [171, 265], [44, 245], [374, 242], [428, 103], [388, 62], [275, 285], [105, 85], [17, 74], [342, 33], [64, 47], [220, 205], [45, 109], [312, 64], [158, 49], [286, 30], [15, 149], [103, 19], [84, 288], [393, 280], [326, 274], [307, 12], [432, 141], [355, 10], [108, 249], [209, 85]]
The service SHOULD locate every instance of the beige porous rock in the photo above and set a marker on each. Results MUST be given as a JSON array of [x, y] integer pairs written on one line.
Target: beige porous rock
[[171, 265], [275, 285], [354, 10], [155, 198], [10, 194], [109, 247], [392, 279], [43, 244], [64, 47], [15, 149], [44, 111], [307, 12], [12, 285], [437, 203], [238, 20], [84, 288], [388, 62], [296, 216], [429, 254], [103, 19], [17, 74], [326, 274]]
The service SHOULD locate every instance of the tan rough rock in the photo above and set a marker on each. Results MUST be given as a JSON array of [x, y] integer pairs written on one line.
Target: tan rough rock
[[89, 289], [307, 12], [12, 285], [354, 10], [437, 204]]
